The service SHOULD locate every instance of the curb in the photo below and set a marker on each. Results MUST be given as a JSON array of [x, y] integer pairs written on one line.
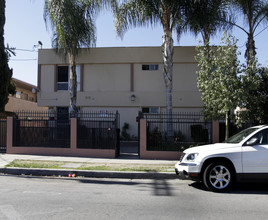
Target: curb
[[89, 174]]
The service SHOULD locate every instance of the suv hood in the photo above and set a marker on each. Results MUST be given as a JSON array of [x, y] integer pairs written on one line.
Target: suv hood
[[210, 148]]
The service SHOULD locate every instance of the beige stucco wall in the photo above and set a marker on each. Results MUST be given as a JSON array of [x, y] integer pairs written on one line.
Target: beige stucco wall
[[119, 55], [148, 81], [15, 104], [116, 92], [107, 78], [27, 99], [29, 94], [47, 78], [109, 81]]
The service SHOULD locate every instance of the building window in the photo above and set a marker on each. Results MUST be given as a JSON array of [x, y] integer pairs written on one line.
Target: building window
[[63, 77], [18, 94], [78, 75], [151, 110], [24, 96], [31, 99], [150, 67]]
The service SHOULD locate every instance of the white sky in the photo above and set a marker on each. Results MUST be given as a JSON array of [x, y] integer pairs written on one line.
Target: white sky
[[25, 26]]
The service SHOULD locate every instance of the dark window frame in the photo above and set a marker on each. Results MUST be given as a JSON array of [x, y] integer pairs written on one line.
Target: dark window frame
[[63, 80], [150, 67]]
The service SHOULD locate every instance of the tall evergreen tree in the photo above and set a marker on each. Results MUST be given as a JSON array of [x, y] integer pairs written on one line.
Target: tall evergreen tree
[[6, 85]]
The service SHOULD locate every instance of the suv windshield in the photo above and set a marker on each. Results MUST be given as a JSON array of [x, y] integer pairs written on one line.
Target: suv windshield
[[240, 136]]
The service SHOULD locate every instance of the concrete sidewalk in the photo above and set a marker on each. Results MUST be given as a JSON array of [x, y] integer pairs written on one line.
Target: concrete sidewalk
[[8, 158]]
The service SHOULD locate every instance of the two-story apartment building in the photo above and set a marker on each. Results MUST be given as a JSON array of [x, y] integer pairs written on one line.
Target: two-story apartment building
[[25, 98], [127, 80]]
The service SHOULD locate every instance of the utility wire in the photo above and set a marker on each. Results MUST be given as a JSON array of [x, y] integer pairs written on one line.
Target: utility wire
[[26, 50], [22, 59], [261, 31]]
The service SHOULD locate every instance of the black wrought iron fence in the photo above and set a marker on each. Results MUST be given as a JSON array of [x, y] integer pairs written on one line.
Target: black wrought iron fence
[[41, 129], [3, 135], [188, 129], [98, 130]]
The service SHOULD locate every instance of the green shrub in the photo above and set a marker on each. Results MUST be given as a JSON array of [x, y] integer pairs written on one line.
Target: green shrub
[[124, 134]]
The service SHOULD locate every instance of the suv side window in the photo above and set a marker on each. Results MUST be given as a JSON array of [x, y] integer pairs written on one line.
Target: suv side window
[[262, 137]]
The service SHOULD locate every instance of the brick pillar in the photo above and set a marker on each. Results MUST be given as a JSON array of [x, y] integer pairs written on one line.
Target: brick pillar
[[9, 134], [73, 133], [215, 132], [143, 137]]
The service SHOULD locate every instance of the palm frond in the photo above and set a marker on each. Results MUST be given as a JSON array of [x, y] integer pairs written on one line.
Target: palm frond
[[206, 17], [72, 23], [139, 13], [255, 13]]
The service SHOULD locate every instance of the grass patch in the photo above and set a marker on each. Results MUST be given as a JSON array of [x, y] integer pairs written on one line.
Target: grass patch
[[35, 164], [129, 169], [91, 166]]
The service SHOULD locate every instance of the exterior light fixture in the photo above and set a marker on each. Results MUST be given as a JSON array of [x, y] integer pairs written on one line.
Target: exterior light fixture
[[34, 90], [40, 44], [133, 98]]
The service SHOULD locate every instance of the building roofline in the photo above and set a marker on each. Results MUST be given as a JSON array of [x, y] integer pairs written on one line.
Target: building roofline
[[122, 55], [23, 84], [122, 47]]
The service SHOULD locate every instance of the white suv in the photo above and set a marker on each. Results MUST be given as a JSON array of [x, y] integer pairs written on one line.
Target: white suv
[[243, 157]]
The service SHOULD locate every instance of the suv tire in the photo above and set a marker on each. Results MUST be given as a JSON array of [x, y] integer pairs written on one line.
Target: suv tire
[[218, 176]]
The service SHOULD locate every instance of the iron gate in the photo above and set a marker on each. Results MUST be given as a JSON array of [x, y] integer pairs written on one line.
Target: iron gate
[[99, 130]]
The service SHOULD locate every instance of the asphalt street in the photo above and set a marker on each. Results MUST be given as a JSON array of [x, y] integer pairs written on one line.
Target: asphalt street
[[25, 197]]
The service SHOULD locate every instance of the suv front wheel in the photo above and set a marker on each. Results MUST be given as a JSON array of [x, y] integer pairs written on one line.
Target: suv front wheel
[[218, 176]]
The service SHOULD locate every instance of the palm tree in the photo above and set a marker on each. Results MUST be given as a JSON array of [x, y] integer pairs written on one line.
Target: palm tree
[[73, 27], [255, 13], [169, 14], [206, 17]]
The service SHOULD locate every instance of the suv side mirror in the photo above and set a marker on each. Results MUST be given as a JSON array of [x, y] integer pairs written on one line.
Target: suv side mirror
[[252, 141]]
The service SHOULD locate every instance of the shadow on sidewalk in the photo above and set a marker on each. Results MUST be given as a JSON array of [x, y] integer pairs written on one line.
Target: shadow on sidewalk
[[129, 150]]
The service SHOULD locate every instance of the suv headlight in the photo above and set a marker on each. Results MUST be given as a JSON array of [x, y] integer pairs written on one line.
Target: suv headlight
[[191, 157]]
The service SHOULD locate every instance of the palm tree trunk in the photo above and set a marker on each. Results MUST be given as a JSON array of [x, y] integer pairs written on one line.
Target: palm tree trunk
[[168, 50], [73, 85], [251, 49]]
